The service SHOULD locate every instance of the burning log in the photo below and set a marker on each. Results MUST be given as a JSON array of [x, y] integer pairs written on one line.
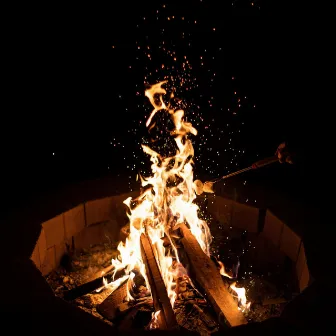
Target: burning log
[[139, 315], [101, 273], [208, 277], [118, 303], [108, 308], [208, 321], [90, 286], [166, 317]]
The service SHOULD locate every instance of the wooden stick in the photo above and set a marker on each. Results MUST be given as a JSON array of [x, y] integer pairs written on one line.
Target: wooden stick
[[90, 286], [101, 273], [166, 317], [208, 277]]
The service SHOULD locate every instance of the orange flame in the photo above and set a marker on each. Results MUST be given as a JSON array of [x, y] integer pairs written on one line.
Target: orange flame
[[222, 270], [154, 323], [162, 205], [241, 294]]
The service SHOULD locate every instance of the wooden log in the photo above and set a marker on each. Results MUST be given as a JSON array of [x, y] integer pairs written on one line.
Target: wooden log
[[90, 286], [166, 317], [108, 308], [138, 314], [208, 277], [204, 317], [101, 273]]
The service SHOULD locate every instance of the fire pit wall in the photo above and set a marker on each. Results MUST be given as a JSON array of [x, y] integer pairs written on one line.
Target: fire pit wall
[[99, 221], [272, 243], [93, 222]]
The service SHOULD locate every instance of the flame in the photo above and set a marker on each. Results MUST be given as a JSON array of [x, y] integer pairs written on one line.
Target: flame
[[114, 284], [241, 294], [154, 323], [222, 270], [166, 201]]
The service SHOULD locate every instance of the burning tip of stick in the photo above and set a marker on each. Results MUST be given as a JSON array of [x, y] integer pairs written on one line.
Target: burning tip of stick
[[201, 187], [208, 187]]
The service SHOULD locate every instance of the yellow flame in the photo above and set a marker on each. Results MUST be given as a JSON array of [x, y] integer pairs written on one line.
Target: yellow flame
[[222, 270], [150, 93], [241, 294], [154, 323], [166, 202], [113, 285]]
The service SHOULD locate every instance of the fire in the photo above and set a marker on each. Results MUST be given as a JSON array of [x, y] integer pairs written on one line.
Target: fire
[[241, 294], [154, 324], [222, 270], [166, 201]]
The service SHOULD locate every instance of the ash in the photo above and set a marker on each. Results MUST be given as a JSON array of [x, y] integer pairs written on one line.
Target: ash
[[85, 265]]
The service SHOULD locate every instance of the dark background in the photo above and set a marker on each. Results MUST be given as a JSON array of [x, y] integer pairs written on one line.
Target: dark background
[[74, 110], [251, 83]]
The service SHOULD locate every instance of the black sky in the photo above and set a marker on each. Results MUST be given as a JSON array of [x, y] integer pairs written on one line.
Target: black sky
[[83, 88]]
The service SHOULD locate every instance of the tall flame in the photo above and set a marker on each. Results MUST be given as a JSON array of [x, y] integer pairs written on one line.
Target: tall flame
[[166, 201]]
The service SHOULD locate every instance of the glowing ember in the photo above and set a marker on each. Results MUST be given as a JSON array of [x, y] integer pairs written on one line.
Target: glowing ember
[[165, 202]]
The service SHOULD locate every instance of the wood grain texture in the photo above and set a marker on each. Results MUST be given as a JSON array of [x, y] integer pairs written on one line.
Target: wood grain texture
[[208, 277]]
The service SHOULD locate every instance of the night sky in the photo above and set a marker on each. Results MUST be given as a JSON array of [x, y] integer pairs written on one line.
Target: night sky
[[239, 68]]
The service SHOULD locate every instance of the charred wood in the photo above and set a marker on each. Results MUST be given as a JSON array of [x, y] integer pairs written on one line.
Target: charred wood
[[161, 301], [90, 286], [208, 277]]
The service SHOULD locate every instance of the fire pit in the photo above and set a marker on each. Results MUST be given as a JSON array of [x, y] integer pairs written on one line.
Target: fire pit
[[183, 262], [269, 252]]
